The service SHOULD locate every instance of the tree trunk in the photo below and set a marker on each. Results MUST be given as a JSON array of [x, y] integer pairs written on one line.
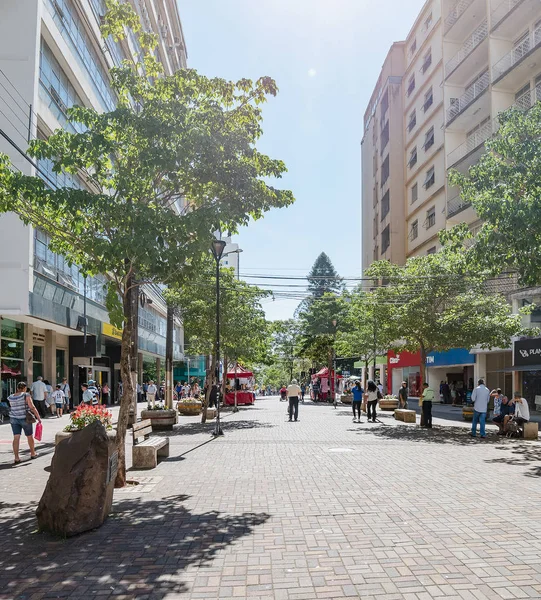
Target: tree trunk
[[169, 358], [212, 378], [422, 367], [128, 388]]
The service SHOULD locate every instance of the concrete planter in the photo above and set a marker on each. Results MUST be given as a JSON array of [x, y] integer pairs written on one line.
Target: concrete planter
[[388, 405], [191, 408], [160, 419], [346, 399], [211, 413], [467, 413], [64, 435]]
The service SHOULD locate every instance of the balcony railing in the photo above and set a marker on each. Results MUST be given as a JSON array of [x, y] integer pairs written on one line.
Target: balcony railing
[[455, 13], [475, 39], [469, 96], [517, 54], [529, 98], [456, 205], [502, 10], [474, 141]]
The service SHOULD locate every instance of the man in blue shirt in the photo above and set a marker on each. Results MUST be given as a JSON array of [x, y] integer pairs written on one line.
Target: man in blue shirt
[[357, 392]]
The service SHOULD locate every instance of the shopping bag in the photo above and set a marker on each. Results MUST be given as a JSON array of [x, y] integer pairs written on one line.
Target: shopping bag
[[39, 432]]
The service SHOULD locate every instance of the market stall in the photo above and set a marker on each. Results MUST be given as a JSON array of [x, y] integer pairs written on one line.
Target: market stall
[[321, 390], [241, 383]]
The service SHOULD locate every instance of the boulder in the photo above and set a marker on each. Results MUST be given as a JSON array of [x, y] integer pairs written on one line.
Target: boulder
[[79, 493]]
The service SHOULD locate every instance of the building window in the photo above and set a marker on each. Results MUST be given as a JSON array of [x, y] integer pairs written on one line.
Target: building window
[[60, 365], [427, 23], [430, 178], [413, 47], [414, 232], [385, 239], [375, 196], [411, 85], [414, 193], [376, 252], [523, 98], [385, 205], [431, 250], [427, 61], [413, 120], [37, 362], [385, 137], [431, 217], [384, 103], [413, 157], [429, 138], [429, 100], [11, 356], [385, 171]]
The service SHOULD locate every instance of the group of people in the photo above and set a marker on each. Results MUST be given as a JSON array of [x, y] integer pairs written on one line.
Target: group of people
[[48, 401]]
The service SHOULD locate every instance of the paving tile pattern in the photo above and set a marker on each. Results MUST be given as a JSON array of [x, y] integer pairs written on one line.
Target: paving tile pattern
[[319, 509]]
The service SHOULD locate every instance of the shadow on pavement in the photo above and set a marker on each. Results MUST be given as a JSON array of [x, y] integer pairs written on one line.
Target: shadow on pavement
[[522, 455], [208, 427], [141, 551]]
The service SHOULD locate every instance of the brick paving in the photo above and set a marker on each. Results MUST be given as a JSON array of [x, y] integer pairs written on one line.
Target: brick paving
[[319, 509]]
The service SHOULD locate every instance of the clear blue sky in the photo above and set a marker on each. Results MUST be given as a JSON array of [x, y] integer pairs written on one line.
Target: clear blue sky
[[326, 56]]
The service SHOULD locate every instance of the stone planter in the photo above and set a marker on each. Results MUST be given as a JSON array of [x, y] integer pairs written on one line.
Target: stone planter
[[388, 405], [189, 409], [346, 399], [467, 413], [64, 435], [160, 419], [211, 413]]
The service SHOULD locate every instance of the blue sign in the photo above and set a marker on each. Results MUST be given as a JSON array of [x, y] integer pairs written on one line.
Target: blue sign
[[455, 356]]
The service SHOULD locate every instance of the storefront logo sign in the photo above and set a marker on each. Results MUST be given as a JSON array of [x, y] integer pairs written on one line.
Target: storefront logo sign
[[394, 360], [111, 331], [527, 352]]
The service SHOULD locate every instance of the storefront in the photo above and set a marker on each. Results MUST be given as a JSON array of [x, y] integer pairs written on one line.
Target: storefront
[[11, 355], [454, 367], [404, 366], [527, 366]]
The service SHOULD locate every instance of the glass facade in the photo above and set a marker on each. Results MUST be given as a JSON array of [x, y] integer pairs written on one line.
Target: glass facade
[[11, 355], [60, 365]]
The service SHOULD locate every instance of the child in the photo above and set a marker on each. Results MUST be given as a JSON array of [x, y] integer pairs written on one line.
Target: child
[[59, 398]]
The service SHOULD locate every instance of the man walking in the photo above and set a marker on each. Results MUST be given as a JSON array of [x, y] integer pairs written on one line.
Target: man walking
[[65, 387], [151, 393], [293, 393], [427, 399], [403, 395], [480, 398], [39, 395]]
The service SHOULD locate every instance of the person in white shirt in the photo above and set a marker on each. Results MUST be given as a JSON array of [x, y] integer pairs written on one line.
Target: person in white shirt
[[293, 393], [65, 387], [59, 398], [151, 393], [522, 411], [480, 398], [39, 395], [96, 394]]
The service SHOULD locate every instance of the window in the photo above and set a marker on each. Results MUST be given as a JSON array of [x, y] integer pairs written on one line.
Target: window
[[385, 171], [414, 231], [427, 61], [411, 85], [414, 193], [431, 217], [429, 100], [523, 98], [385, 205], [413, 157], [385, 239], [429, 138], [375, 196], [60, 364], [37, 362], [431, 250], [384, 103], [427, 23], [376, 252], [11, 356], [413, 120], [430, 178], [385, 137], [413, 47]]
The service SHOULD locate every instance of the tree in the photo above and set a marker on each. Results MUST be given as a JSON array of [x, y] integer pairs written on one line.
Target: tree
[[173, 162], [504, 188], [434, 302], [323, 278], [285, 337]]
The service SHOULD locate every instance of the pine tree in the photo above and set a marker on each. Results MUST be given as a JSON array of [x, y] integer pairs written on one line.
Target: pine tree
[[323, 278]]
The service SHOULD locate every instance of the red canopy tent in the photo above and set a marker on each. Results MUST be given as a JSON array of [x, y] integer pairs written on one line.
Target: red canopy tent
[[323, 374], [239, 373], [239, 396]]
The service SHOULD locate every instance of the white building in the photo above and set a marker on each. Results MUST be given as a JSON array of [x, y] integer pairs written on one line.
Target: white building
[[51, 57]]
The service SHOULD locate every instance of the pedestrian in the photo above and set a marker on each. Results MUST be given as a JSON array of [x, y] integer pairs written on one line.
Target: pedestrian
[[178, 389], [94, 390], [427, 398], [303, 391], [145, 389], [105, 391], [502, 409], [293, 393], [403, 395], [522, 412], [21, 405], [480, 398], [371, 397], [59, 399], [39, 395], [88, 396], [196, 390], [151, 393], [358, 393], [446, 391], [49, 400], [65, 387], [380, 387], [139, 392]]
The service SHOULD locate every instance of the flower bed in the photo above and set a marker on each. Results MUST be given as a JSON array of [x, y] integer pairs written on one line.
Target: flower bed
[[189, 406], [388, 403], [85, 414]]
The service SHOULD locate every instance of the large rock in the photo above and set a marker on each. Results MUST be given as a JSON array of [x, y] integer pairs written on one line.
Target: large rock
[[79, 493]]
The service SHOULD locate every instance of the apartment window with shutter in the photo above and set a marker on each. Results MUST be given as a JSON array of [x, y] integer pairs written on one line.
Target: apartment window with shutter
[[413, 47], [431, 217], [430, 178], [414, 193], [385, 171], [414, 232], [412, 120], [385, 137], [385, 205], [411, 85], [384, 103], [413, 157], [427, 23], [385, 239], [429, 100], [427, 61], [429, 138], [376, 253], [375, 196], [431, 250]]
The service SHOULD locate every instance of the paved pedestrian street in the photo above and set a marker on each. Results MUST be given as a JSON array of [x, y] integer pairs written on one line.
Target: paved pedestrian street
[[322, 508]]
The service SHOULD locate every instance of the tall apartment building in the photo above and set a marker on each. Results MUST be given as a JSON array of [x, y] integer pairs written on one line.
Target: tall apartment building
[[51, 57]]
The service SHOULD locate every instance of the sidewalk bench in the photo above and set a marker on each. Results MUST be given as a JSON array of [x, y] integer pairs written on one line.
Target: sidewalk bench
[[145, 454], [403, 414], [531, 431]]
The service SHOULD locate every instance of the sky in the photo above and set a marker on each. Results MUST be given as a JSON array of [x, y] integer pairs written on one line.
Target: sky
[[325, 56]]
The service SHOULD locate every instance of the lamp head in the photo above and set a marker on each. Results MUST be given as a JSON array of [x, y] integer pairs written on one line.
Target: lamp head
[[217, 248]]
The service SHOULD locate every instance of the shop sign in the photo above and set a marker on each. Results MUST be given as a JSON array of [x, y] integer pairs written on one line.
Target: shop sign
[[527, 352], [453, 357], [403, 359], [111, 331]]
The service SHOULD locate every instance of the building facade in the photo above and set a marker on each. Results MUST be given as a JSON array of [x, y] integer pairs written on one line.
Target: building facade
[[51, 57]]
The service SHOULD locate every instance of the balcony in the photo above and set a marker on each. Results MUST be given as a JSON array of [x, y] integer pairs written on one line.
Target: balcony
[[512, 16], [528, 99], [460, 17], [470, 147], [456, 205], [461, 106], [520, 63], [470, 58]]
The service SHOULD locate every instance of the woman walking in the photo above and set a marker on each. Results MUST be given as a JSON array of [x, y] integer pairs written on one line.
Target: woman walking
[[371, 398], [358, 393], [20, 405]]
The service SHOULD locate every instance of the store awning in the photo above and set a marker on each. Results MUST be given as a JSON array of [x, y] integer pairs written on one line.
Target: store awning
[[518, 369]]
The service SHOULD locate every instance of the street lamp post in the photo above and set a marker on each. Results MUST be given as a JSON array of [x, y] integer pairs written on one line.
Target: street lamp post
[[334, 321], [217, 251]]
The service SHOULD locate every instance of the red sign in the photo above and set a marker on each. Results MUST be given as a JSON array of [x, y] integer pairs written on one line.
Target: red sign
[[403, 359]]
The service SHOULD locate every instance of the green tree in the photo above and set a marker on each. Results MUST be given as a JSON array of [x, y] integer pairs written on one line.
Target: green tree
[[323, 278], [284, 342], [504, 188], [175, 160], [434, 302]]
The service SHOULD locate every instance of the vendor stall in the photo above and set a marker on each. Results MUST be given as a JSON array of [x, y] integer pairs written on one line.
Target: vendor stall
[[241, 383], [321, 391]]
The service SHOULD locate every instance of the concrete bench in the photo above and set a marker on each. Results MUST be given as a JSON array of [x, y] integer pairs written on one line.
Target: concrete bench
[[145, 453], [531, 431], [403, 414]]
